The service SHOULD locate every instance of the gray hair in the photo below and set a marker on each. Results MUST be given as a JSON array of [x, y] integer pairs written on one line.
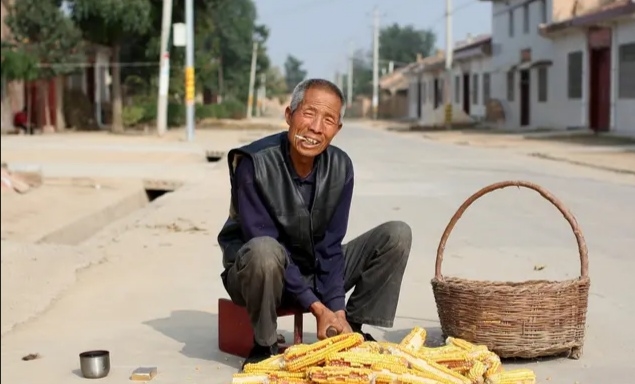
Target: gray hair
[[298, 93]]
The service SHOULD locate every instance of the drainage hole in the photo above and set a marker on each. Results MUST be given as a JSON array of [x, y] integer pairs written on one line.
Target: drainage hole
[[155, 193]]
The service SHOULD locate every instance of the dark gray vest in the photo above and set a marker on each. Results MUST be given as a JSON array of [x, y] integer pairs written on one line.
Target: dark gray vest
[[299, 229]]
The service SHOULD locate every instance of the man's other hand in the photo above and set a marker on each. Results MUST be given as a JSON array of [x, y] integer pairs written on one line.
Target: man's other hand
[[325, 318], [346, 327]]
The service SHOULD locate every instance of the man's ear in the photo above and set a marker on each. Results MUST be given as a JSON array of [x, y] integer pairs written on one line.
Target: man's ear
[[287, 115]]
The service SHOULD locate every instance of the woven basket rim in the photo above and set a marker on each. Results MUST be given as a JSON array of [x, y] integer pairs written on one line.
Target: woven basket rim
[[500, 283], [568, 216]]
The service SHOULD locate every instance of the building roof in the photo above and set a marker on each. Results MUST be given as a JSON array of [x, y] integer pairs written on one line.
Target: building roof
[[613, 10]]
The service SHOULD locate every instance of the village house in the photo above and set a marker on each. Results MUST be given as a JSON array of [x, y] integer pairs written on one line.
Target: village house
[[564, 64], [470, 82], [394, 94], [471, 75]]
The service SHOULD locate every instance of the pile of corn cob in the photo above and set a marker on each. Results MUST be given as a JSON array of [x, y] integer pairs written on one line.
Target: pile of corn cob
[[349, 359]]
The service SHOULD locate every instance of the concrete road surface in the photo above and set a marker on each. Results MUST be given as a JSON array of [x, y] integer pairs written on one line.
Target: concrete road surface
[[152, 299]]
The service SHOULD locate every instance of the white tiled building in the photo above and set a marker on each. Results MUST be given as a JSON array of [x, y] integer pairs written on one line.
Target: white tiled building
[[565, 64]]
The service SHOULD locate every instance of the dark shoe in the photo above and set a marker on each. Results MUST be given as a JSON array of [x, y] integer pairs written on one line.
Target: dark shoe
[[358, 329], [367, 336], [259, 353]]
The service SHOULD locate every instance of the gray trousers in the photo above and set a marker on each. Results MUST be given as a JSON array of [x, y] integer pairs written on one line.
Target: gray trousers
[[375, 264]]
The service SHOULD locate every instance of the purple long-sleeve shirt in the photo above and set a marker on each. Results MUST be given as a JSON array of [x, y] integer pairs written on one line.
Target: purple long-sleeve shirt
[[256, 221]]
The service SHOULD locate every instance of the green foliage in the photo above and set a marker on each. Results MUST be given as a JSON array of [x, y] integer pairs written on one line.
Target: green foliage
[[224, 34], [108, 22], [402, 43], [276, 84], [396, 43], [43, 34], [132, 115], [18, 64], [293, 72]]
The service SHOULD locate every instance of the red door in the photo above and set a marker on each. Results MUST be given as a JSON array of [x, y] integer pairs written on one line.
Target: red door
[[600, 79]]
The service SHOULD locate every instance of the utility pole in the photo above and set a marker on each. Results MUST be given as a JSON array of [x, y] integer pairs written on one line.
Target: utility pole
[[349, 78], [189, 68], [375, 104], [164, 74], [252, 80], [448, 64]]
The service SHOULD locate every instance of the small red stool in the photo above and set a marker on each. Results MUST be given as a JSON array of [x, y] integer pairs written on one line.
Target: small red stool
[[235, 335]]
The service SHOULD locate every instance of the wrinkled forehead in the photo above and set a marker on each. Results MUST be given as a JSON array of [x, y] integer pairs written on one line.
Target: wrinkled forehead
[[322, 98]]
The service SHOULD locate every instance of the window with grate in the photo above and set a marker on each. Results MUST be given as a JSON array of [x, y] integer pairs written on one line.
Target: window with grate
[[475, 89], [626, 71], [543, 11], [457, 89], [486, 86], [510, 86], [543, 82], [424, 92], [574, 65]]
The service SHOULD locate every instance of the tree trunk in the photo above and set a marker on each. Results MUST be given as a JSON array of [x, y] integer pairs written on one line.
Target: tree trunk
[[44, 97], [60, 121], [117, 107]]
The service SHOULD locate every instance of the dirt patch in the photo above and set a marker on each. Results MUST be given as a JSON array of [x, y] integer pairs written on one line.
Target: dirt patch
[[69, 211]]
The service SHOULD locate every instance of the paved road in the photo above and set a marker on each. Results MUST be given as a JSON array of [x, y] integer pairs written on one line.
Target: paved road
[[152, 300]]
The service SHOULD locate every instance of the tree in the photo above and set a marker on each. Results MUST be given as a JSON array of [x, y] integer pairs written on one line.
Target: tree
[[109, 23], [293, 72], [42, 34], [276, 84], [401, 44]]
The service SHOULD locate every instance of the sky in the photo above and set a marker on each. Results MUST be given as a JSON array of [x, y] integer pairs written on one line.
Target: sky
[[321, 32]]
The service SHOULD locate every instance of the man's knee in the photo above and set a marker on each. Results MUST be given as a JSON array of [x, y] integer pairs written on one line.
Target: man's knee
[[264, 254], [399, 236]]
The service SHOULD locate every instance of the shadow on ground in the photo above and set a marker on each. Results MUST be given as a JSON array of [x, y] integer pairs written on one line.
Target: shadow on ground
[[197, 331]]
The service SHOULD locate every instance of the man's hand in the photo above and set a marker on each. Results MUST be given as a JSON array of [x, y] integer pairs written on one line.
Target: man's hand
[[346, 327], [325, 318]]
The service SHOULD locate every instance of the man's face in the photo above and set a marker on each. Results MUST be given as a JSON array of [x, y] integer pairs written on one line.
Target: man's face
[[315, 123]]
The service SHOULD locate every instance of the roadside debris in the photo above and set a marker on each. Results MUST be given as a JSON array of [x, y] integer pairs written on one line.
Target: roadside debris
[[31, 356], [18, 182]]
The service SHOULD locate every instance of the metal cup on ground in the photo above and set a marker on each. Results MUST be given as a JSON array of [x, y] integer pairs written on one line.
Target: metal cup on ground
[[94, 364]]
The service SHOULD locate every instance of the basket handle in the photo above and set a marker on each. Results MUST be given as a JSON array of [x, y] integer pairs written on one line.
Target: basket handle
[[582, 248]]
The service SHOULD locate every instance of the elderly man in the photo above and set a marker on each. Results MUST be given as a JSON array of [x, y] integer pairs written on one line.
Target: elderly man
[[282, 243]]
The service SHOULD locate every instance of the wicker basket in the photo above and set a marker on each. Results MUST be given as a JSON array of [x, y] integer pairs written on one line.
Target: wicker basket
[[515, 319]]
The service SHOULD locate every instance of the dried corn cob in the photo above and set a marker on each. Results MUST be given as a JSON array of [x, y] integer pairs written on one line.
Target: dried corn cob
[[515, 376], [428, 368], [415, 339], [250, 378], [395, 364], [277, 377], [368, 346], [442, 350], [493, 363], [477, 372], [463, 344], [274, 363], [416, 379], [340, 374], [298, 360], [406, 378], [290, 381]]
